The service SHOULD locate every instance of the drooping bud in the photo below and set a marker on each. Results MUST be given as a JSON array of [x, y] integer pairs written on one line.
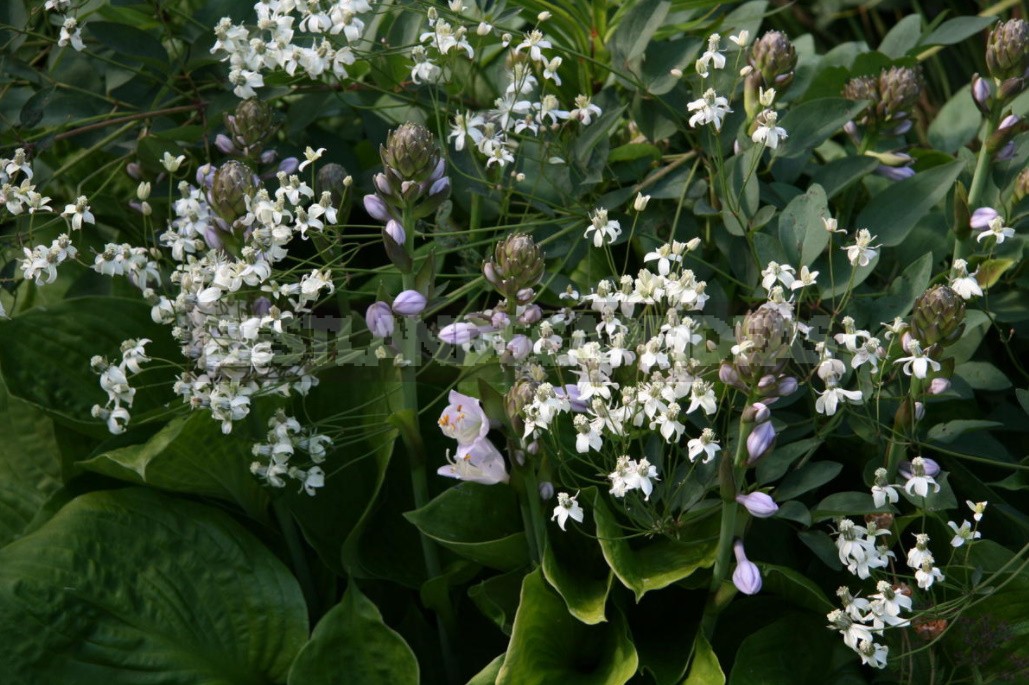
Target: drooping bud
[[1007, 129], [747, 576], [332, 178], [774, 58], [459, 333], [1007, 49], [758, 504], [982, 92], [517, 264], [938, 316], [760, 442], [233, 183]]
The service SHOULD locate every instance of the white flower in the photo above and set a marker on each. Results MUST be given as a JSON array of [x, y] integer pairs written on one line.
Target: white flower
[[605, 231], [640, 203], [997, 229], [706, 444], [79, 213], [466, 125], [741, 39], [918, 364], [567, 508], [882, 491], [852, 631], [664, 256], [767, 133], [71, 34], [872, 653], [887, 605], [862, 251], [927, 574], [588, 437], [833, 396], [711, 56], [977, 509], [710, 109], [172, 164], [584, 110], [804, 279], [919, 481], [783, 273], [963, 534], [632, 475], [963, 283], [310, 155], [917, 554], [534, 42]]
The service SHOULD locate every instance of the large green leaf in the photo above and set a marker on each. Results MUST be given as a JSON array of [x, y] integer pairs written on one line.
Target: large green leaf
[[573, 565], [46, 352], [548, 645], [801, 230], [810, 123], [892, 213], [189, 455], [479, 522], [656, 563], [30, 465], [795, 650], [135, 587], [704, 667], [956, 123], [351, 644]]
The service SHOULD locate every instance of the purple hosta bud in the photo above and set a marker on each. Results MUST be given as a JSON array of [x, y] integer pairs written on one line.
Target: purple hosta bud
[[1006, 153], [1010, 88], [938, 316], [413, 175], [379, 319], [982, 92], [899, 90], [1007, 49], [261, 306], [205, 175], [1001, 140], [894, 173], [231, 187], [758, 504], [224, 144], [546, 489], [572, 393], [919, 411], [787, 386], [459, 333], [409, 303], [902, 128], [517, 264], [331, 178], [251, 124], [930, 466], [134, 170], [269, 157], [519, 347], [289, 165], [212, 238], [727, 374], [530, 315], [525, 295], [774, 58], [393, 228], [499, 320], [756, 413], [746, 577], [851, 129], [938, 386], [982, 217], [376, 208], [760, 442]]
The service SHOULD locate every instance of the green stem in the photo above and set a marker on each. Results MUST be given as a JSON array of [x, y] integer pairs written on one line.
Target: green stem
[[982, 172]]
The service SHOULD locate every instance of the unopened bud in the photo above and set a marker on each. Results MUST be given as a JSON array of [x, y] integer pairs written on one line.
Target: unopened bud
[[143, 191], [756, 413], [774, 58], [379, 319], [758, 504], [224, 144], [409, 303], [899, 90], [640, 203], [747, 576], [938, 316], [252, 123], [517, 264], [1007, 49], [519, 347], [232, 185], [543, 16], [459, 333], [981, 93], [760, 442], [938, 386]]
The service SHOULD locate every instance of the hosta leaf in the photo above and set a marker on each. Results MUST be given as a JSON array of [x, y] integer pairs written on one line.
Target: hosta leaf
[[892, 213], [351, 644], [30, 468], [704, 668], [135, 587], [548, 645], [801, 230], [573, 565], [762, 658], [811, 122]]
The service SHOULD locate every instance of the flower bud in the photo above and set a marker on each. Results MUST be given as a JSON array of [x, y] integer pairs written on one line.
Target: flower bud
[[758, 504], [530, 315], [224, 144], [519, 347], [376, 208], [409, 303], [517, 264], [546, 489], [756, 413], [774, 58], [787, 386], [1001, 139], [938, 386], [288, 165], [1022, 185], [982, 217], [394, 230], [981, 93], [899, 90], [894, 173], [919, 411], [331, 178], [728, 375], [640, 203], [251, 124], [746, 577], [233, 183], [760, 442], [410, 152], [762, 339], [938, 316], [515, 399], [459, 333], [269, 157], [379, 319], [1007, 49]]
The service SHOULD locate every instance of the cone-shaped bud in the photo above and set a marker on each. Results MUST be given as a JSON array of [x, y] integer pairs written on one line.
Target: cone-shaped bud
[[517, 264], [774, 57], [762, 339], [982, 92], [520, 394], [252, 123], [410, 152], [409, 303], [938, 316], [233, 183], [1007, 49], [899, 90], [1022, 185], [332, 178]]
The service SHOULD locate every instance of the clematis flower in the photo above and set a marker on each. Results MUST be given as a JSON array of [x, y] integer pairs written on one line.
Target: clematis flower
[[567, 508]]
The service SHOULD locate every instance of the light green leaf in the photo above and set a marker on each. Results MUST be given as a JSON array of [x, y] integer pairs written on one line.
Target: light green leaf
[[549, 646], [574, 566], [956, 124], [807, 478], [773, 466], [892, 213], [983, 376], [956, 30], [811, 122], [634, 31], [845, 504], [189, 455], [497, 598], [488, 675], [652, 565], [801, 230], [479, 522], [948, 432], [704, 667], [840, 173], [132, 587], [903, 290], [990, 271], [902, 37], [794, 586], [351, 644]]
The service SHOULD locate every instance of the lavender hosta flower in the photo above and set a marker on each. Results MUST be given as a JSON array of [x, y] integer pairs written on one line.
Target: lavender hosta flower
[[394, 230], [760, 442], [459, 333], [463, 419], [479, 462], [376, 208], [982, 217], [747, 576], [758, 504], [519, 347], [409, 303], [379, 319]]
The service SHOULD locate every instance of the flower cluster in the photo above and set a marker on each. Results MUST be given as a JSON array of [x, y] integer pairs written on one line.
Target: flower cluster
[[114, 380], [477, 459], [285, 438], [71, 31]]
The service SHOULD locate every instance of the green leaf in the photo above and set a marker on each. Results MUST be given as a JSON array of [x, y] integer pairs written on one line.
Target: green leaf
[[934, 501], [892, 213], [52, 371], [956, 124], [124, 39], [795, 649], [548, 645], [811, 122], [956, 30], [772, 467], [794, 511], [840, 174], [903, 290], [635, 30], [492, 536], [30, 465], [488, 675], [131, 586], [983, 376], [845, 504], [654, 564], [795, 587], [497, 598], [574, 566], [807, 478], [949, 432], [990, 271], [351, 644], [189, 455], [801, 230], [704, 667], [902, 37]]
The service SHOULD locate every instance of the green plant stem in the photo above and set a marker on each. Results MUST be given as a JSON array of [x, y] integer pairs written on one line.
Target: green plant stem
[[982, 172]]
